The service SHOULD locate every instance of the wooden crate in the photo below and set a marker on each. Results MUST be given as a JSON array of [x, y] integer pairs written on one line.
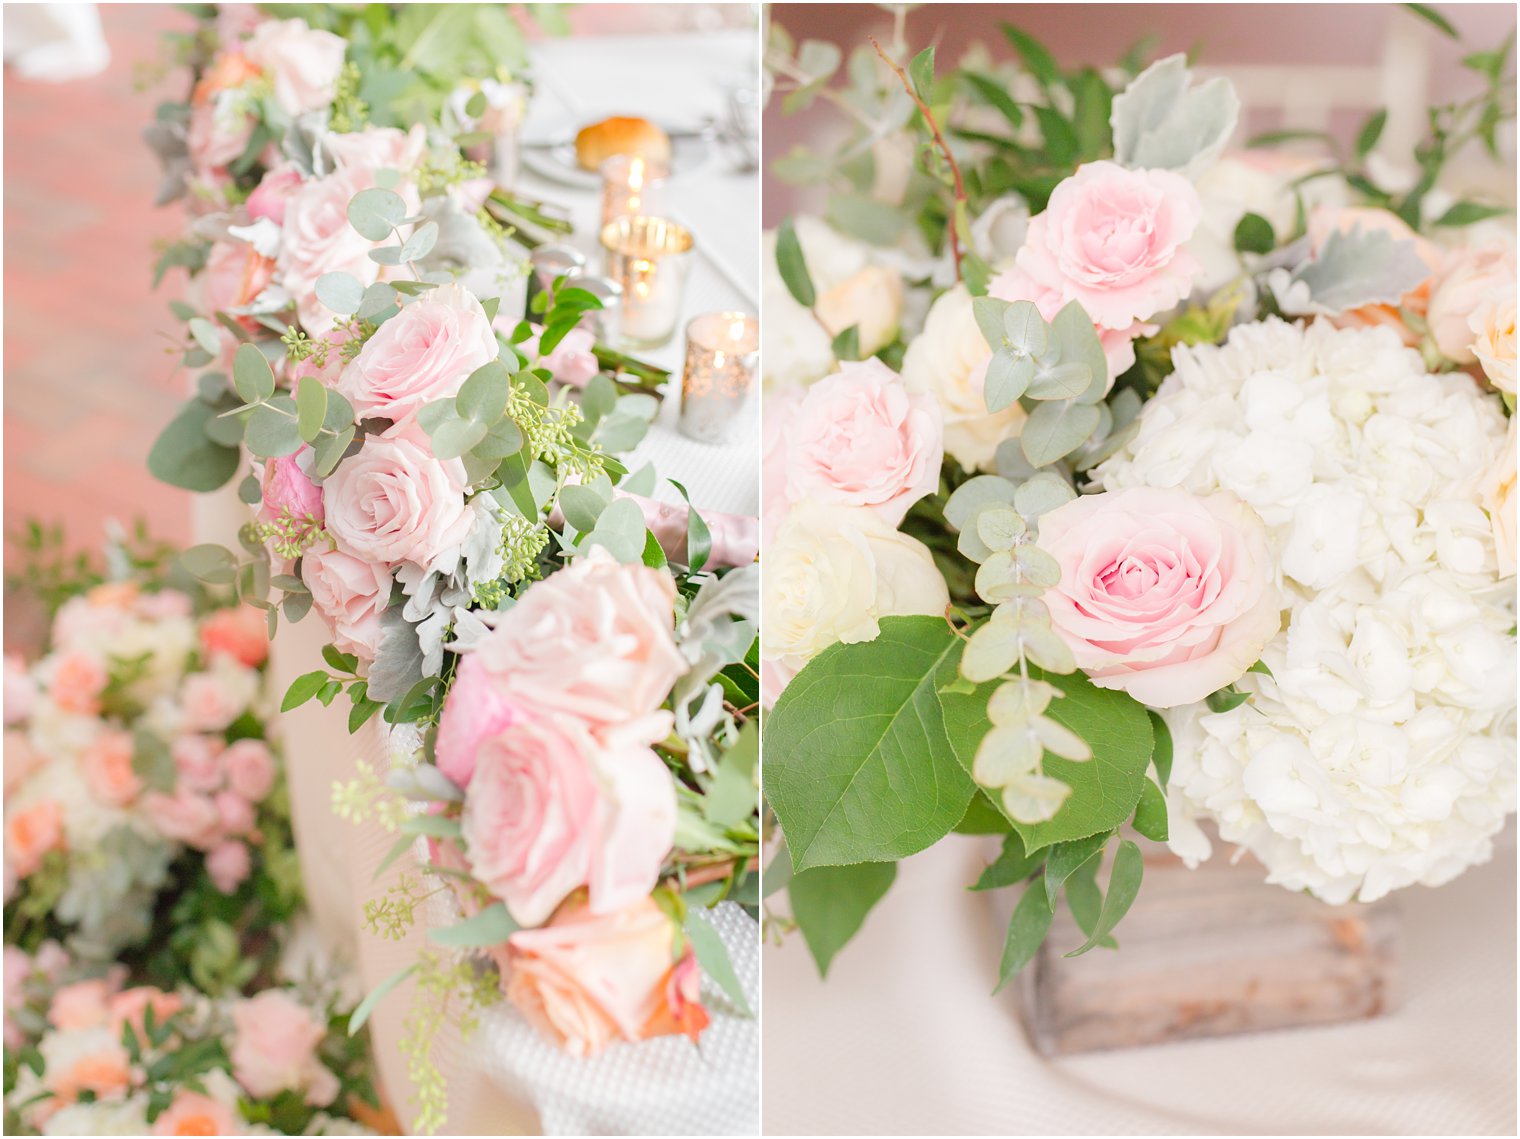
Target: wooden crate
[[1211, 952]]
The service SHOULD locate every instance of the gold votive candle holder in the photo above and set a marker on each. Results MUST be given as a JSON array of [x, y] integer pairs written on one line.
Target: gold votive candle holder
[[722, 359], [649, 257], [632, 187]]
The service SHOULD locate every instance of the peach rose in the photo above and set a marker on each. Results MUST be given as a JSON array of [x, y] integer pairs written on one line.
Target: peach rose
[[1163, 594], [274, 1048], [84, 1004], [31, 833], [228, 70], [97, 1063], [538, 820], [588, 980], [229, 865], [75, 681], [184, 816], [107, 765], [1492, 324], [234, 276], [350, 594], [190, 1113], [393, 502], [595, 641], [1112, 239], [1499, 501], [859, 438], [240, 633], [303, 63], [1470, 278], [250, 769], [423, 353]]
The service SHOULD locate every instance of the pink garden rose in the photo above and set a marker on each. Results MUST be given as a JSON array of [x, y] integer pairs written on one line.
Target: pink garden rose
[[274, 1049], [572, 362], [229, 865], [1112, 239], [185, 816], [234, 813], [218, 134], [197, 760], [316, 238], [30, 833], [274, 191], [191, 1113], [1118, 343], [83, 1004], [212, 700], [858, 438], [302, 62], [594, 641], [1163, 594], [423, 353], [393, 502], [588, 980], [250, 769], [380, 148], [477, 708], [75, 681], [130, 1006], [238, 632], [287, 488], [350, 594]]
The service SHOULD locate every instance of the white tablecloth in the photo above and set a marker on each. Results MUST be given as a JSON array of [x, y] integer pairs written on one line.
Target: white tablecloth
[[676, 81], [903, 1038]]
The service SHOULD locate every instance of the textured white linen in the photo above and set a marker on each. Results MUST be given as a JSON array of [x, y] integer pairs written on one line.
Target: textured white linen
[[903, 1038]]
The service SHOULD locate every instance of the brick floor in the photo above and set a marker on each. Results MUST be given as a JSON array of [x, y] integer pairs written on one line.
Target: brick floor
[[88, 383]]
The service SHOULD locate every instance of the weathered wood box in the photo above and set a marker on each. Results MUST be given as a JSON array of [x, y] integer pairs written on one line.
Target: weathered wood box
[[1211, 952]]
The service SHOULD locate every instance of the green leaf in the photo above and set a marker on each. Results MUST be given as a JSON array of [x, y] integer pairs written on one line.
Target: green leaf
[[712, 955], [846, 345], [184, 455], [483, 397], [1085, 900], [210, 563], [1371, 131], [993, 93], [311, 408], [398, 848], [733, 796], [338, 661], [1007, 379], [1435, 19], [982, 817], [272, 430], [1123, 888], [302, 689], [491, 926], [1226, 699], [329, 449], [205, 334], [1066, 858], [620, 529], [793, 265], [1162, 755], [1012, 866], [420, 243], [1037, 60], [830, 904], [1056, 429], [698, 536], [367, 1005], [1253, 234], [1150, 813], [454, 437], [1026, 933], [581, 506], [251, 374], [921, 72], [340, 292], [1466, 213], [859, 762], [1105, 788], [376, 212]]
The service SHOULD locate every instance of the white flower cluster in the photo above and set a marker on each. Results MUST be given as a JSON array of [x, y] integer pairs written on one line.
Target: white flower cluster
[[1380, 750]]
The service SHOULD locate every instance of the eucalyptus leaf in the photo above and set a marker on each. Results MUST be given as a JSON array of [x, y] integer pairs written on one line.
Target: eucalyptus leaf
[[311, 407], [251, 374], [272, 432], [1054, 430], [375, 212], [340, 292]]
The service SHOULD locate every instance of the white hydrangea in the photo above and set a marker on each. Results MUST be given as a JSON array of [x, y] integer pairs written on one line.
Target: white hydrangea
[[1380, 752]]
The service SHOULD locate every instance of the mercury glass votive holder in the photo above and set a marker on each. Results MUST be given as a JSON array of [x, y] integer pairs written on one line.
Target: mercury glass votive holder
[[722, 359], [650, 258], [632, 187], [606, 323], [551, 262]]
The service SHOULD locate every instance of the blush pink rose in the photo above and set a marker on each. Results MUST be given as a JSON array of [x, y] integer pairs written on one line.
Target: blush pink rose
[[274, 1049], [287, 488], [21, 759], [250, 769], [218, 134], [1112, 239], [229, 865], [75, 681], [316, 238], [130, 1006], [858, 438], [350, 594], [30, 834], [1468, 279], [638, 826], [191, 1113], [84, 1004], [239, 632], [235, 813], [588, 980], [197, 761], [394, 502], [1118, 343], [380, 148], [572, 362], [595, 641], [274, 190], [303, 63], [210, 702], [476, 709], [107, 766], [1163, 594], [423, 353], [185, 816]]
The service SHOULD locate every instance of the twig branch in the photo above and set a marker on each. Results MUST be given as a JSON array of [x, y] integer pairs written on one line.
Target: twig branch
[[939, 140]]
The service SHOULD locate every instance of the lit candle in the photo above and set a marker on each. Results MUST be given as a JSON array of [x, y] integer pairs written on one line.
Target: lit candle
[[722, 356], [631, 186], [649, 257]]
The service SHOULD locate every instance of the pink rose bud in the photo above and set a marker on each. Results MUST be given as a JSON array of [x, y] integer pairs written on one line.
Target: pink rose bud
[[250, 769], [229, 866]]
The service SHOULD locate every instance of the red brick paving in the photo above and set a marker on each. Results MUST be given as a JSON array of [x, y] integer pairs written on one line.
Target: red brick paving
[[87, 380]]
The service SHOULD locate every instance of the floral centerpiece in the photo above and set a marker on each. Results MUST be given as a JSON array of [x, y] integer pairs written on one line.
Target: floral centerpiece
[[1120, 484]]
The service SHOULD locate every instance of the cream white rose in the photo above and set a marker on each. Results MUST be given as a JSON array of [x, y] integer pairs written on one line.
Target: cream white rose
[[302, 62], [1499, 501], [949, 361], [1492, 324]]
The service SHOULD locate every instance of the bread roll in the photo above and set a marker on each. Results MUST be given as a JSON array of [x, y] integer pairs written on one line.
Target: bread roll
[[637, 138]]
